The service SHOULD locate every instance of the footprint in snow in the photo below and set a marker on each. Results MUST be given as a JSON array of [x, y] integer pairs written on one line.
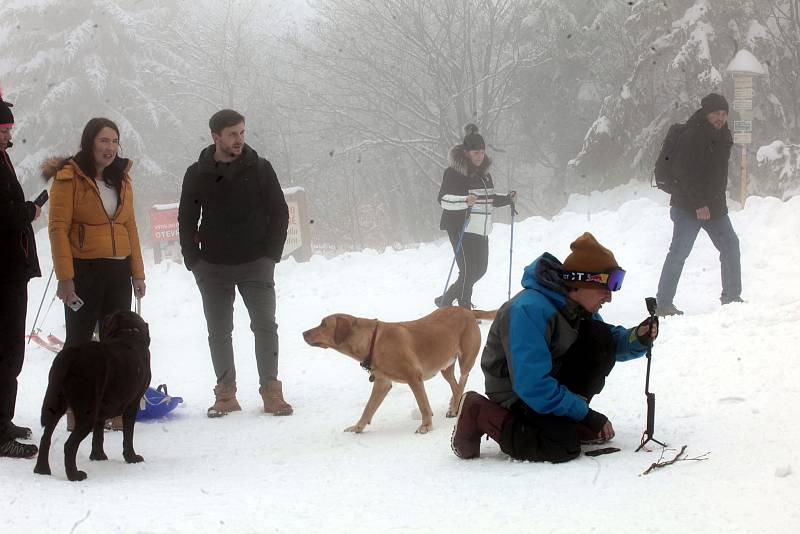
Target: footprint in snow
[[731, 400]]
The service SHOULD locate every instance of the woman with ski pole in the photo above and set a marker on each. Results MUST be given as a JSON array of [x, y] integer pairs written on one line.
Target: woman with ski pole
[[467, 198]]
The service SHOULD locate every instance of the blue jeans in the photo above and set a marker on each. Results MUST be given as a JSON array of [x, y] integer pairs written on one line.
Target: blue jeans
[[684, 233]]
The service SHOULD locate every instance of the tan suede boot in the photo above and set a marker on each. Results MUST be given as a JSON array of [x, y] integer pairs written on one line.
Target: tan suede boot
[[114, 424], [225, 402], [272, 395], [110, 424]]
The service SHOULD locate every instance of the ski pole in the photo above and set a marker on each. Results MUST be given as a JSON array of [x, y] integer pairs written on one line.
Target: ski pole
[[511, 248], [44, 294], [49, 307], [458, 247]]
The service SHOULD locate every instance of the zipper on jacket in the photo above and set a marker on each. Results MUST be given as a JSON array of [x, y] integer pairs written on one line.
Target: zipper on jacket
[[81, 235], [488, 211], [110, 220]]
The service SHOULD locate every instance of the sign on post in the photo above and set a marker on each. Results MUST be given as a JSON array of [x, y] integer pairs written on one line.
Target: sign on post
[[744, 67], [164, 222], [164, 231], [298, 234], [165, 235]]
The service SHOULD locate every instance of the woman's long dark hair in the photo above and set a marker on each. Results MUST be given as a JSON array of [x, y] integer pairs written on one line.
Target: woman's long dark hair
[[114, 173]]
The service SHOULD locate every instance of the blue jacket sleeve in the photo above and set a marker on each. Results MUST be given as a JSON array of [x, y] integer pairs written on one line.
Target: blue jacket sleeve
[[628, 345], [531, 364]]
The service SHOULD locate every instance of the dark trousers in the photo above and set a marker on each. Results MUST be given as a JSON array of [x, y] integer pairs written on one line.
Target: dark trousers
[[13, 307], [255, 281], [684, 232], [104, 285], [472, 260], [532, 436]]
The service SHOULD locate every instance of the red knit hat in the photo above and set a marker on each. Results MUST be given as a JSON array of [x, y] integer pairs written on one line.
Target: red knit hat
[[589, 256]]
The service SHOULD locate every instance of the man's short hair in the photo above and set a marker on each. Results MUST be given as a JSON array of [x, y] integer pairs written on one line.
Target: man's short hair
[[223, 119]]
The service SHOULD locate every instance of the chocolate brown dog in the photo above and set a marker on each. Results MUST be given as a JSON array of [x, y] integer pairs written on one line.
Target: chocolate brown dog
[[99, 380], [408, 352]]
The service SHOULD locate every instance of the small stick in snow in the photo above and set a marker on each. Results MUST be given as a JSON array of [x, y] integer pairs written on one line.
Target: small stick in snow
[[677, 458]]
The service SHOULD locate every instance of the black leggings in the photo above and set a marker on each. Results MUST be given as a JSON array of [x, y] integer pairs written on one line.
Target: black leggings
[[472, 259], [104, 285], [582, 370]]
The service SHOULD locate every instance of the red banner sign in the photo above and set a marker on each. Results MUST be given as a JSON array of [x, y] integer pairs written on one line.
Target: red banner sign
[[164, 224]]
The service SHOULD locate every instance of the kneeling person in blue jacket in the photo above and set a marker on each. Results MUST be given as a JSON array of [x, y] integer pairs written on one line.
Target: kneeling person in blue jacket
[[547, 354]]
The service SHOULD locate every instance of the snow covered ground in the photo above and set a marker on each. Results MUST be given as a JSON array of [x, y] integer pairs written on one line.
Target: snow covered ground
[[727, 381]]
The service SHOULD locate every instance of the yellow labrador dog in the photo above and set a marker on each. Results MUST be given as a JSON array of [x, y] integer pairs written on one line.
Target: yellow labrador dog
[[408, 352]]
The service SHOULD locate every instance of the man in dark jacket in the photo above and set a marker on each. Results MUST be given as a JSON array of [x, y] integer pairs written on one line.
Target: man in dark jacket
[[20, 264], [547, 354], [698, 201], [239, 241]]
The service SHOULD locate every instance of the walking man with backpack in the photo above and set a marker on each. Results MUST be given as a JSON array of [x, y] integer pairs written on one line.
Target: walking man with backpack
[[693, 168], [239, 241]]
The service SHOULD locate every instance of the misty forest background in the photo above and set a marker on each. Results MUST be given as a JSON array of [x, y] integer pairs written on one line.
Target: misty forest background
[[359, 101]]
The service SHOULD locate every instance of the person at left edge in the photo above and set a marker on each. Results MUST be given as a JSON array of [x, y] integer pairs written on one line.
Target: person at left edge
[[20, 264]]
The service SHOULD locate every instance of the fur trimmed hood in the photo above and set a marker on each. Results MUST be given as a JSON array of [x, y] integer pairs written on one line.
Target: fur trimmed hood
[[459, 162], [52, 165]]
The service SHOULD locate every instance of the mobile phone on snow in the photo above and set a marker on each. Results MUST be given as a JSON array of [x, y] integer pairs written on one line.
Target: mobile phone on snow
[[76, 303], [41, 199]]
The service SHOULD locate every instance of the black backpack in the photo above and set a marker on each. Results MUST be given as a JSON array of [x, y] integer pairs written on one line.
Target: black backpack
[[662, 173]]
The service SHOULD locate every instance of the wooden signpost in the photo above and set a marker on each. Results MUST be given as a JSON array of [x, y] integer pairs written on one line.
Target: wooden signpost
[[744, 67]]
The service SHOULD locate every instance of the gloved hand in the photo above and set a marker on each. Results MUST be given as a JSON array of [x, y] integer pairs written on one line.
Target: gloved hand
[[647, 331], [595, 421]]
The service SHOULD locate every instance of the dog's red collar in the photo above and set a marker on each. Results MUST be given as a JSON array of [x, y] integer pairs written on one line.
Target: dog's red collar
[[367, 363]]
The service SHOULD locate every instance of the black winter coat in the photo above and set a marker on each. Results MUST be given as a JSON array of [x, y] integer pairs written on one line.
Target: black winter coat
[[17, 245], [244, 212], [460, 179], [701, 166]]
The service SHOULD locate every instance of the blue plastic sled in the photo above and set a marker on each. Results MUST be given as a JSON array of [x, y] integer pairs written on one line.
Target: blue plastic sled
[[156, 403]]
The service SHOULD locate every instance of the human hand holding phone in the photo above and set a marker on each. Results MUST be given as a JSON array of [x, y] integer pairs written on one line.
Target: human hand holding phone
[[66, 292], [76, 303], [38, 202], [42, 198]]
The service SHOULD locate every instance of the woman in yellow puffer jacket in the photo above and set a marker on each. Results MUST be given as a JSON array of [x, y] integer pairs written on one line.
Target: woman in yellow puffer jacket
[[93, 235]]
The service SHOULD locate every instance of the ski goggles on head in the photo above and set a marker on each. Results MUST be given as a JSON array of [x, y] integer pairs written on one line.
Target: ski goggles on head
[[612, 279]]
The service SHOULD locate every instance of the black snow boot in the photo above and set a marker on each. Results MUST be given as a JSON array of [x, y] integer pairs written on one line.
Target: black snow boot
[[14, 449]]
